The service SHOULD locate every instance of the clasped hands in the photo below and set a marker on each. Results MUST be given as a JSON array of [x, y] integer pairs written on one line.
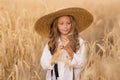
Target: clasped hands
[[64, 45]]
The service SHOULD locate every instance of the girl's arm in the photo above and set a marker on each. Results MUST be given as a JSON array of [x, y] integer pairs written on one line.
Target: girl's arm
[[79, 57], [46, 58]]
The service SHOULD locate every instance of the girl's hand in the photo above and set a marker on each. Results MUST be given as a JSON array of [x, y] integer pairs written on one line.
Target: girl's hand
[[66, 43], [56, 55], [67, 47]]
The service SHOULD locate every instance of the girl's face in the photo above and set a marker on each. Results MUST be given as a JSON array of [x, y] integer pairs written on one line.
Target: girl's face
[[64, 25]]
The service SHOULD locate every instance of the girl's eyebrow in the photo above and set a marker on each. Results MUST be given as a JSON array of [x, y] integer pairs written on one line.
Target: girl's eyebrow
[[60, 22]]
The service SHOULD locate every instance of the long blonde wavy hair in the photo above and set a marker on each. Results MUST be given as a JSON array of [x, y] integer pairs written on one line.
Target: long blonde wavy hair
[[55, 34]]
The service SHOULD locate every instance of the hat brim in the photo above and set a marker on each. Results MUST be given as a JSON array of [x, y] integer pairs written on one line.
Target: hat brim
[[83, 19]]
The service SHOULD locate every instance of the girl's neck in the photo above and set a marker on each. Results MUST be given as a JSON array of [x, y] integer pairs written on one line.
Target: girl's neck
[[62, 36]]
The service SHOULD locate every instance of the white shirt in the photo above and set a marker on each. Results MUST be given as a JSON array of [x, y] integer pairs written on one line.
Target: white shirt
[[65, 65]]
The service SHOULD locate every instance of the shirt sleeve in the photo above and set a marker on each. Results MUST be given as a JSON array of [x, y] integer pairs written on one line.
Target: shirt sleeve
[[79, 56], [46, 59]]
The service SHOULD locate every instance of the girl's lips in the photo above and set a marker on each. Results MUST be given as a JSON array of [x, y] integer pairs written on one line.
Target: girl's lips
[[65, 30]]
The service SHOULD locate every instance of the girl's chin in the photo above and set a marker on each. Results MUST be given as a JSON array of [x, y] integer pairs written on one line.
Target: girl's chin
[[65, 33]]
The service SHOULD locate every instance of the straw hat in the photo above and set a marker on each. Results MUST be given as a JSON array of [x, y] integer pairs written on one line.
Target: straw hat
[[82, 17]]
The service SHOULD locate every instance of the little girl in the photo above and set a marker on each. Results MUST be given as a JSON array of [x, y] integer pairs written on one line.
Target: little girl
[[64, 54]]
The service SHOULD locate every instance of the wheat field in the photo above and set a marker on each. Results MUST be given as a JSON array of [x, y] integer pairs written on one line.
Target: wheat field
[[21, 46]]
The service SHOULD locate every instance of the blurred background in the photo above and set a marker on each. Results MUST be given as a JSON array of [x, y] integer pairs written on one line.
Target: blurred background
[[21, 47]]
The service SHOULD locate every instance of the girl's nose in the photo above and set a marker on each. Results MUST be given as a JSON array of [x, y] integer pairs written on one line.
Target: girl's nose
[[65, 25]]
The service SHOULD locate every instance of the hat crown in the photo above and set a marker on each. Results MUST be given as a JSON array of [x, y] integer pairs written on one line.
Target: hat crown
[[83, 19]]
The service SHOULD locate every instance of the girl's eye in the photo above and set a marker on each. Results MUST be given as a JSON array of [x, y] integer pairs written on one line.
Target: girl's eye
[[61, 23], [69, 23]]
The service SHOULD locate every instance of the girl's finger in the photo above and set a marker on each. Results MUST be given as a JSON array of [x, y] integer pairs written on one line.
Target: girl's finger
[[65, 38], [60, 46]]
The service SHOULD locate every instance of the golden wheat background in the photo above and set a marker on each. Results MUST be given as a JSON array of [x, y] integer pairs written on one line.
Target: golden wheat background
[[21, 46]]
